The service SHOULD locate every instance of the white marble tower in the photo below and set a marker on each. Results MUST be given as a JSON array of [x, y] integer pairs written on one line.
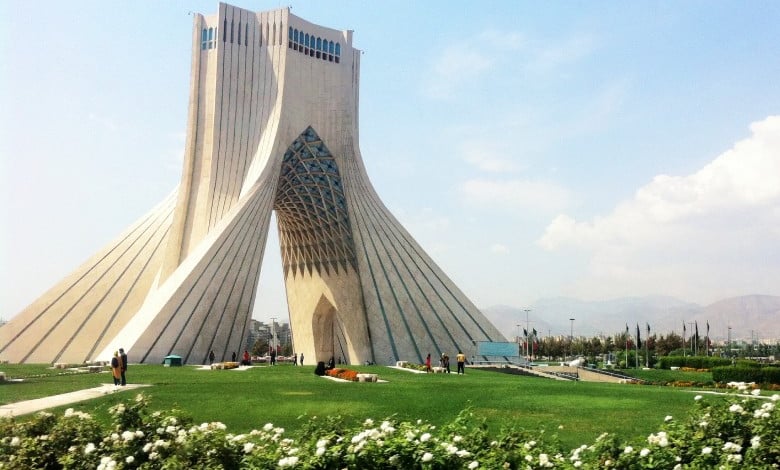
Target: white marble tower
[[272, 126]]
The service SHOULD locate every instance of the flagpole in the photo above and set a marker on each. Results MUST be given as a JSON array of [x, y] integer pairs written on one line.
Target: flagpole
[[527, 355], [692, 336], [647, 355], [627, 336], [636, 346]]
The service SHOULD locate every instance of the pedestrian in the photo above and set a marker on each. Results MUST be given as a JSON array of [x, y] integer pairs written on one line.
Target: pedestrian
[[273, 357], [295, 359], [123, 358], [445, 363], [428, 363], [246, 358], [461, 358], [116, 368], [211, 357], [301, 359], [233, 357]]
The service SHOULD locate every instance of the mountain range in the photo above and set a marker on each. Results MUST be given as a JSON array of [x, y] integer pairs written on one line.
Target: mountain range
[[755, 317]]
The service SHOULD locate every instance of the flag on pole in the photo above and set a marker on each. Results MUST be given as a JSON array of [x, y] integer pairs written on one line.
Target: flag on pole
[[708, 328], [638, 337], [628, 340], [525, 333], [648, 330], [683, 328], [696, 334]]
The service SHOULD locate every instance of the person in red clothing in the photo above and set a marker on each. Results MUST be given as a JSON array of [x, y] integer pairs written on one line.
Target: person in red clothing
[[247, 360], [428, 363]]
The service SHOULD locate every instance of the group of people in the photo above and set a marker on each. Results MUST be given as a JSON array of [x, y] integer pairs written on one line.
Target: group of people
[[119, 367], [246, 359], [444, 363]]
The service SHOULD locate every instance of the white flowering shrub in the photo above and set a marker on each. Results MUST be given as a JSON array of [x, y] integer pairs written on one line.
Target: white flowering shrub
[[738, 431]]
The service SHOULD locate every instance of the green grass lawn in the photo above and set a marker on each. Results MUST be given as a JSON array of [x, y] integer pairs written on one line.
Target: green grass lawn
[[288, 396], [666, 375]]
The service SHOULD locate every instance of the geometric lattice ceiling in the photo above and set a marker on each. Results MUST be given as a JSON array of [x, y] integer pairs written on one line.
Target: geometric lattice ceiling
[[314, 229]]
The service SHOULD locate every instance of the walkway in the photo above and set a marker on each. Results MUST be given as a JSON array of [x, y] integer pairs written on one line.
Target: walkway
[[31, 406]]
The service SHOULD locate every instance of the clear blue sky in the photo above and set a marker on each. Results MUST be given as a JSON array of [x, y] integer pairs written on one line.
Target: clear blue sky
[[536, 149]]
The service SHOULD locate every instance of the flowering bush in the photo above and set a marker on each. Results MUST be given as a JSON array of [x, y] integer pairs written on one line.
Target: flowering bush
[[739, 430], [410, 365], [344, 374]]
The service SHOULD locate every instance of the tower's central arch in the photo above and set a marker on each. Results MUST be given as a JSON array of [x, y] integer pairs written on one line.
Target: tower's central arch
[[272, 126], [318, 252]]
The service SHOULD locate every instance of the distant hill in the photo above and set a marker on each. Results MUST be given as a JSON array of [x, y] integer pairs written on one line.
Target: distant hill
[[758, 315]]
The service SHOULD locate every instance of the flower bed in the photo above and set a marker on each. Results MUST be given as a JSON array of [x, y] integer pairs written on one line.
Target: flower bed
[[739, 430], [412, 366], [224, 365], [344, 374]]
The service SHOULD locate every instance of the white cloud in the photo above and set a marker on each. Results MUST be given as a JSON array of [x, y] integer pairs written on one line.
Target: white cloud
[[458, 65], [462, 63], [490, 155], [499, 249], [540, 196], [718, 228], [106, 122], [550, 55]]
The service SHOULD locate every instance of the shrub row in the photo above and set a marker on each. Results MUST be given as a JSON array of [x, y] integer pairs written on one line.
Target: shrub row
[[739, 431], [695, 362], [740, 373]]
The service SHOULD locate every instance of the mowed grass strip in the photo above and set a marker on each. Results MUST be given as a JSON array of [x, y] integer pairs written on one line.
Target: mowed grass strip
[[288, 396]]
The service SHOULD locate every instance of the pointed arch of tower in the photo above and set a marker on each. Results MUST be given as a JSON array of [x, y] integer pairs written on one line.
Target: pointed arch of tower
[[311, 209], [315, 240]]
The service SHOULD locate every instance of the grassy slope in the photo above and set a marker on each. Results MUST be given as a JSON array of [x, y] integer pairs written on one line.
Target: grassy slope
[[245, 400]]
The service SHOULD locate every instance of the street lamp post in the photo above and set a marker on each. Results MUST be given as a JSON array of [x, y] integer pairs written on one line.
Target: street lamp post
[[273, 333], [728, 343], [571, 338]]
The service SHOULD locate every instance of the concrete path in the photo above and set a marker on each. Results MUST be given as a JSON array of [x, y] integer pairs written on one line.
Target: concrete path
[[31, 406]]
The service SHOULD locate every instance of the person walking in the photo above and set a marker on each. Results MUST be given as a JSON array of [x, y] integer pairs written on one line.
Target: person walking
[[211, 357], [445, 359], [116, 368], [301, 359], [428, 363], [123, 358], [295, 359], [461, 358]]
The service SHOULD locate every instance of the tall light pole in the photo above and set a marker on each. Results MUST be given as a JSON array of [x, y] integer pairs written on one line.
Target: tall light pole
[[728, 343], [571, 337], [273, 334]]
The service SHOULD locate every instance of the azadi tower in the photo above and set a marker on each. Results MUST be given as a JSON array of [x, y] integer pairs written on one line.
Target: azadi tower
[[272, 126]]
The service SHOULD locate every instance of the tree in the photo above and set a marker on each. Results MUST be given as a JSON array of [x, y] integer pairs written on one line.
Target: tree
[[666, 344], [260, 348]]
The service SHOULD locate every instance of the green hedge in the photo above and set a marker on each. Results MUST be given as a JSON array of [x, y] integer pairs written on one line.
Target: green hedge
[[741, 373], [695, 362]]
